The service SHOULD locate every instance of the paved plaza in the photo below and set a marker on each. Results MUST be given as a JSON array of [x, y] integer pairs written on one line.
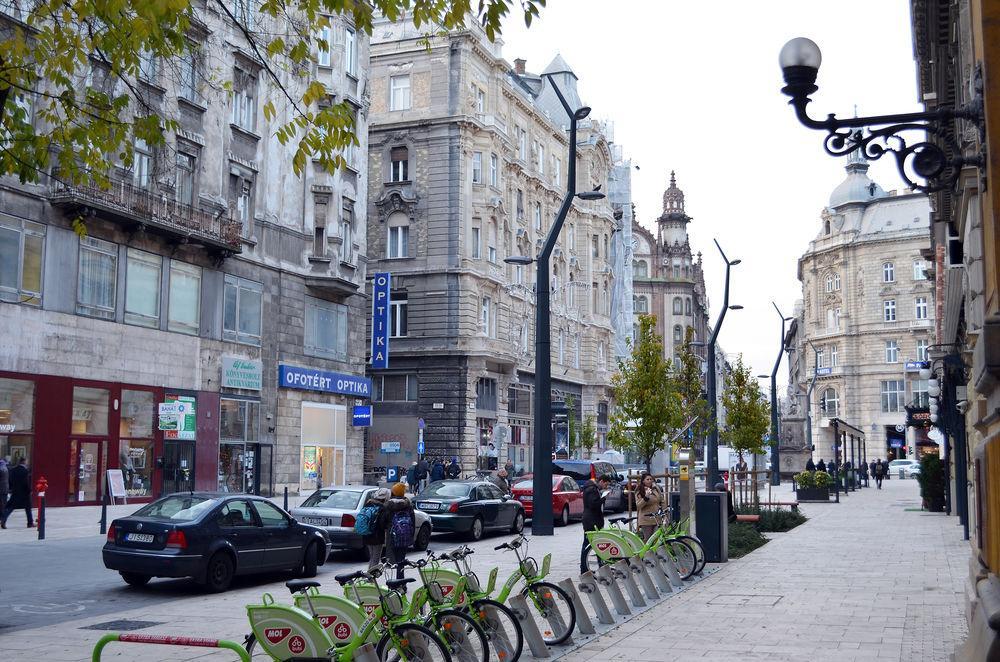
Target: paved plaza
[[872, 578]]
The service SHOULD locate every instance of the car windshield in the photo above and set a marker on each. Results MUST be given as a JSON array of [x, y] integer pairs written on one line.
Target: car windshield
[[446, 489], [340, 499], [182, 508]]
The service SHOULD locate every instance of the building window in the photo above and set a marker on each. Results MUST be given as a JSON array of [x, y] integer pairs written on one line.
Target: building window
[[323, 46], [187, 86], [888, 272], [347, 232], [351, 53], [829, 404], [538, 216], [149, 65], [486, 316], [557, 171], [242, 310], [244, 99], [919, 389], [17, 412], [398, 308], [520, 205], [494, 171], [834, 360], [400, 157], [891, 351], [522, 144], [480, 99], [395, 388], [640, 269], [595, 246], [399, 92], [687, 306], [639, 305], [97, 288], [892, 396], [922, 346], [477, 167], [477, 242], [836, 282], [184, 298], [829, 283], [239, 420], [820, 358], [491, 243], [678, 308], [920, 308], [889, 310], [486, 394], [836, 318], [142, 164], [562, 348], [675, 267], [241, 195], [326, 329], [185, 177], [678, 333], [142, 288], [539, 157], [576, 351], [243, 12], [21, 250], [399, 236], [919, 270], [601, 363]]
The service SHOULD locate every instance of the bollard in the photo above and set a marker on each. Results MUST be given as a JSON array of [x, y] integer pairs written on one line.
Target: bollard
[[583, 622], [104, 513], [529, 628], [645, 581], [41, 515], [607, 578], [656, 572], [669, 567], [588, 586], [624, 573], [286, 498]]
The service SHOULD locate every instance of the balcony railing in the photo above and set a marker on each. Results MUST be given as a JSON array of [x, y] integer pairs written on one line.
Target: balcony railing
[[163, 213]]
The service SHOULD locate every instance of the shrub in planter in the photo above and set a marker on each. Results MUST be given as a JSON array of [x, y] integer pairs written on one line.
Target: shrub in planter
[[931, 479], [822, 479], [813, 486], [806, 479]]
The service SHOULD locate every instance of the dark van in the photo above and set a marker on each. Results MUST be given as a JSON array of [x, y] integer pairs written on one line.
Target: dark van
[[584, 470]]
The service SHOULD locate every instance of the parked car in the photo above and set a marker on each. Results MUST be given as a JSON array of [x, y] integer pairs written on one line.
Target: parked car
[[567, 498], [211, 538], [335, 510], [911, 468], [472, 507], [583, 470]]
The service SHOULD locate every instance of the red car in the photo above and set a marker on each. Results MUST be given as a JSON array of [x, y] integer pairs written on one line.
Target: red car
[[567, 499]]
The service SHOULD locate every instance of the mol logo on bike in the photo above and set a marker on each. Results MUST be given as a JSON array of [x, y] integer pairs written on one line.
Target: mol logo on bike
[[326, 620], [276, 635], [608, 547]]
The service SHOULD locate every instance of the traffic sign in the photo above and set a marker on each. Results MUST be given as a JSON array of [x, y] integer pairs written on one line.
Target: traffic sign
[[420, 447], [390, 446]]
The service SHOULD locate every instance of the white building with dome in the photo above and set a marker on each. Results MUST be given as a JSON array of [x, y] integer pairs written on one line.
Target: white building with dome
[[868, 312]]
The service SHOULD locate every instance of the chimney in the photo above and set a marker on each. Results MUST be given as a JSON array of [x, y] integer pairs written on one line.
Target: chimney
[[519, 65]]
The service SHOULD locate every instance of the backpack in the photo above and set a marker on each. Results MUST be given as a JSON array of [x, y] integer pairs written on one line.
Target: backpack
[[401, 529], [364, 524]]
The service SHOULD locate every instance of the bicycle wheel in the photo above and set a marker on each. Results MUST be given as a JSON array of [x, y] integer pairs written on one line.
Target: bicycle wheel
[[698, 549], [465, 640], [683, 557], [255, 653], [416, 644], [556, 609], [502, 630]]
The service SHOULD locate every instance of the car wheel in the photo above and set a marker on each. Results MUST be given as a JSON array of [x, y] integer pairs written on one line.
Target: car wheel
[[423, 538], [311, 561], [476, 530], [135, 579], [564, 517], [518, 523], [219, 572]]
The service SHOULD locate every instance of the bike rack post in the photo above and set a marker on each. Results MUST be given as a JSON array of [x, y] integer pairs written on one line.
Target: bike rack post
[[669, 567], [168, 640], [645, 581], [607, 578], [588, 586], [583, 622], [624, 572], [529, 627], [656, 572], [365, 653]]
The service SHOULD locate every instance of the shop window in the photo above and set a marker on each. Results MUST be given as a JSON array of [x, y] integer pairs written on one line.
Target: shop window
[[184, 298], [97, 288], [142, 288], [21, 250], [17, 410], [326, 329], [324, 443], [239, 420], [486, 394], [395, 388], [241, 318], [90, 410], [137, 409], [135, 459]]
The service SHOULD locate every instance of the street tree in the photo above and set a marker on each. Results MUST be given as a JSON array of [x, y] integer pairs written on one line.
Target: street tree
[[572, 429], [648, 406], [748, 413], [588, 434], [687, 375], [72, 104]]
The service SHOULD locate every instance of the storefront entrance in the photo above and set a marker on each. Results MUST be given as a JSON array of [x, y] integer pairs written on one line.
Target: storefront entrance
[[324, 446], [178, 466], [89, 460]]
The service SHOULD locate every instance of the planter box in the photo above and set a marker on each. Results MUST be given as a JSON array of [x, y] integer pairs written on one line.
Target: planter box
[[812, 493]]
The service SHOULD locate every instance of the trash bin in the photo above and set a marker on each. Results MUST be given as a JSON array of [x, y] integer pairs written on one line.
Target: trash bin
[[712, 525]]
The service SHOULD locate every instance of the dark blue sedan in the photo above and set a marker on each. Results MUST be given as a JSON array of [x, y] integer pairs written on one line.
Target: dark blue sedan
[[211, 538]]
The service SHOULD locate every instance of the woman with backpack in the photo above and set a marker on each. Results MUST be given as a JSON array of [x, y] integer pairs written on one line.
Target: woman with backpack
[[370, 523], [400, 525]]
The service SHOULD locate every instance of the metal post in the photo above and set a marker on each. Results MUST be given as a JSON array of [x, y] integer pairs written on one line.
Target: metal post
[[41, 516], [712, 451], [104, 512], [809, 393], [836, 460], [286, 498], [775, 454]]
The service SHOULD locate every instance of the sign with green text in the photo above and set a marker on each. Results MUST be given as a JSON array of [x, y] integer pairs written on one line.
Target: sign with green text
[[241, 373]]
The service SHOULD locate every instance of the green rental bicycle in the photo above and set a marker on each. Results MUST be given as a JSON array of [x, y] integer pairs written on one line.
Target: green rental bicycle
[[335, 629], [616, 542], [551, 602]]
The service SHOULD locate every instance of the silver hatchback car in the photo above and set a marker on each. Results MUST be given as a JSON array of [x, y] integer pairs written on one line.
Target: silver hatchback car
[[335, 510]]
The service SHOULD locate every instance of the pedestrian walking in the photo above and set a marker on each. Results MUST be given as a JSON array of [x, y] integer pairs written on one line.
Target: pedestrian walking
[[20, 493], [4, 484], [454, 469], [648, 500], [509, 468], [437, 470], [411, 478], [400, 525], [821, 465], [594, 492], [810, 465], [502, 480], [879, 473], [423, 471], [371, 524]]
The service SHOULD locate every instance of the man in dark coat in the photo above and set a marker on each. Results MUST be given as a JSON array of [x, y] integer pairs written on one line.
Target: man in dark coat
[[4, 484], [821, 465], [810, 465], [423, 470], [593, 512], [454, 469], [437, 470], [20, 493]]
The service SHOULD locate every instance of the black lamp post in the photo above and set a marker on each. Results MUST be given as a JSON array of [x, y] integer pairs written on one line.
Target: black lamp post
[[809, 393], [775, 453], [712, 452], [541, 517]]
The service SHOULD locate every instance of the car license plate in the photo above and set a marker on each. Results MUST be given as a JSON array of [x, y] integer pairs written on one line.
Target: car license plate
[[427, 505], [525, 498], [318, 521], [139, 537]]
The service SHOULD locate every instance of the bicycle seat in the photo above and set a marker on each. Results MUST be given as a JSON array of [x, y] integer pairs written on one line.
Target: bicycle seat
[[296, 585], [399, 583], [346, 577], [620, 520]]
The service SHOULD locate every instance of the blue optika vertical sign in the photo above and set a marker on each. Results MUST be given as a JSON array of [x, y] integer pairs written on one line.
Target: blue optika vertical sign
[[380, 320]]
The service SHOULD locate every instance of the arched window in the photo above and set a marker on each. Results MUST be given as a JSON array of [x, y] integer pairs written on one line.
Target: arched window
[[826, 227], [836, 282], [888, 272], [640, 305], [554, 286], [678, 333], [687, 306], [829, 283], [640, 269], [829, 404], [678, 306], [398, 244], [491, 242], [570, 292]]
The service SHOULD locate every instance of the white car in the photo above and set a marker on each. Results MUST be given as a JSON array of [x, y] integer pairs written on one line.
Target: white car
[[910, 468]]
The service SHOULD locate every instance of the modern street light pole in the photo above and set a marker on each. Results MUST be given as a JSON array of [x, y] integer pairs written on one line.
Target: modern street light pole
[[775, 454], [541, 518], [809, 393], [712, 452]]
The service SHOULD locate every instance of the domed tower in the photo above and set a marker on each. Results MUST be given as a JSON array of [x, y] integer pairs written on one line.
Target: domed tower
[[857, 187], [673, 221]]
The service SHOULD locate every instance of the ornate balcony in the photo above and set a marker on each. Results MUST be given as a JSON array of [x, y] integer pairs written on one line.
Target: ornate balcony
[[142, 209]]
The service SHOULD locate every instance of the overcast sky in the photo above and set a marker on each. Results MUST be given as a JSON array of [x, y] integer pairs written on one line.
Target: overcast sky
[[695, 87]]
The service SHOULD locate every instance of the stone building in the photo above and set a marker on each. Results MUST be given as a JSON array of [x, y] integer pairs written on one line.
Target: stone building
[[467, 167], [211, 280], [867, 311]]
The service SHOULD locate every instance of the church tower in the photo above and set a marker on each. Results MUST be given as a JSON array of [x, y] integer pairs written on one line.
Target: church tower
[[672, 223]]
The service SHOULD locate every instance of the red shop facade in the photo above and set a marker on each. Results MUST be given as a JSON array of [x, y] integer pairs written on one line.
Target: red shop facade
[[72, 431]]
